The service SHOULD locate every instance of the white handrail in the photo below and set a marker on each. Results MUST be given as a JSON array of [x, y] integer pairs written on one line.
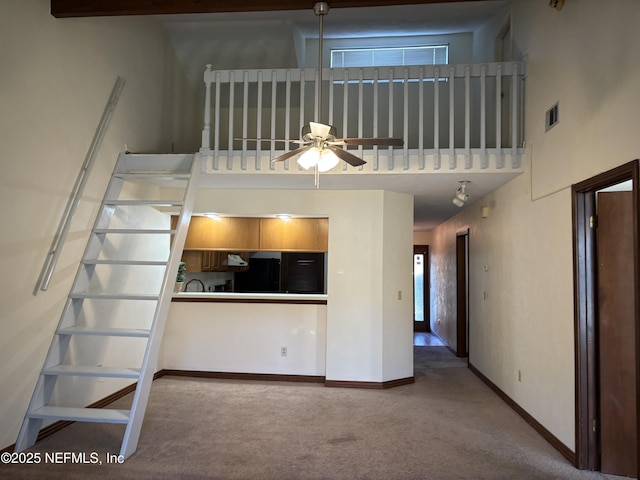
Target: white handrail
[[72, 205]]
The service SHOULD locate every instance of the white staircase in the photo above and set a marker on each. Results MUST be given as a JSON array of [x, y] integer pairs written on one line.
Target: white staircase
[[122, 293]]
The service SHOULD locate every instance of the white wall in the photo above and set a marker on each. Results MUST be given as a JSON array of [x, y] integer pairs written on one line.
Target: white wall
[[486, 38], [526, 321], [397, 287], [246, 338], [57, 76], [363, 342]]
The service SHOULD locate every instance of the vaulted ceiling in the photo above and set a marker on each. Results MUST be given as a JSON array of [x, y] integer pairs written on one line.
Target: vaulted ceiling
[[202, 31]]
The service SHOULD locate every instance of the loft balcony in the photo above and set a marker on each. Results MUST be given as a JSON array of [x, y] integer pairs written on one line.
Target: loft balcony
[[453, 118]]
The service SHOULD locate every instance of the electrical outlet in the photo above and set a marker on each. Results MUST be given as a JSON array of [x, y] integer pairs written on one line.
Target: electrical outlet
[[399, 294], [519, 376], [283, 351]]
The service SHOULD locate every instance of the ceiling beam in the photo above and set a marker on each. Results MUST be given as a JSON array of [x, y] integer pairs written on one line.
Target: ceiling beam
[[97, 8]]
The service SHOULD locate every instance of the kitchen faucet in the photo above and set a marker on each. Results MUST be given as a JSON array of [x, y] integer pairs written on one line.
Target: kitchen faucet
[[186, 287]]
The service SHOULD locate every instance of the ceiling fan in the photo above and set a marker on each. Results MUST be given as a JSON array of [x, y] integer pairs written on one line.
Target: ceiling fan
[[320, 145]]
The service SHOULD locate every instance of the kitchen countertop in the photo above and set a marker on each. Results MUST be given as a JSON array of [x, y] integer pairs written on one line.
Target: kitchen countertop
[[232, 297]]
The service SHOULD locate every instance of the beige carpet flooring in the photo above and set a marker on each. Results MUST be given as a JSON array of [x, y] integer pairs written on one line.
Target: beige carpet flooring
[[448, 425]]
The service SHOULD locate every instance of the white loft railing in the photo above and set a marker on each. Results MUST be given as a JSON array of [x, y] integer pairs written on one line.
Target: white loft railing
[[466, 114]]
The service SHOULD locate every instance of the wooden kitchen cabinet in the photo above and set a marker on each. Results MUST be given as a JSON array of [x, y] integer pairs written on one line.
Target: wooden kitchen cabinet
[[193, 259], [301, 234], [228, 233], [211, 261], [248, 234]]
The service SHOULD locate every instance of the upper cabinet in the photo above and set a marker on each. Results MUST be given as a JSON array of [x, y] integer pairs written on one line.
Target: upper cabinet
[[247, 234], [224, 233], [295, 234]]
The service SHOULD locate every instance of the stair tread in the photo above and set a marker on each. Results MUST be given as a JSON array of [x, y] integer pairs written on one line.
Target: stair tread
[[115, 296], [169, 175], [125, 262], [164, 203], [99, 415], [134, 230], [103, 331], [92, 371]]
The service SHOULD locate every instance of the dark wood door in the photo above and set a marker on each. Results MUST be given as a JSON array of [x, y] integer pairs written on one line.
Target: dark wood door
[[462, 292], [421, 289], [616, 334]]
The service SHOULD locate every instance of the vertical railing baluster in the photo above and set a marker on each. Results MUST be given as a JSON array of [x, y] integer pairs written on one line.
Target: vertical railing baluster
[[216, 126], [331, 82], [499, 157], [515, 161], [452, 128], [274, 88], [467, 110], [287, 111], [420, 118], [302, 104], [360, 108], [376, 80], [483, 117], [245, 119], [406, 119], [436, 119], [390, 163], [345, 111], [259, 122], [232, 89], [206, 129]]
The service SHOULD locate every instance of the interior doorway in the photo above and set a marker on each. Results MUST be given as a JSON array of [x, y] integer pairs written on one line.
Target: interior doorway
[[607, 326], [421, 289], [462, 293]]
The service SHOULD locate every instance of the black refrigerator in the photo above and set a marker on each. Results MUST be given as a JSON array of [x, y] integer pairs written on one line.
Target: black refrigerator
[[263, 276]]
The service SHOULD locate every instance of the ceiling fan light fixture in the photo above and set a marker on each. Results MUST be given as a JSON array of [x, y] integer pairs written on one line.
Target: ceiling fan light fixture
[[309, 158], [325, 159]]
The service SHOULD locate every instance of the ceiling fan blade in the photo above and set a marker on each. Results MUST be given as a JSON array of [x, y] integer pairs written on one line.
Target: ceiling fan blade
[[390, 142], [346, 156], [281, 140], [290, 154], [319, 129]]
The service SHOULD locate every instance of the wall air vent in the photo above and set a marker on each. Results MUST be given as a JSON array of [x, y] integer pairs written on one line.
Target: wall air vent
[[552, 118]]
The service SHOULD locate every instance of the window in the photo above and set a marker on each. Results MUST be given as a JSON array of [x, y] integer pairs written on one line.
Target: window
[[390, 56]]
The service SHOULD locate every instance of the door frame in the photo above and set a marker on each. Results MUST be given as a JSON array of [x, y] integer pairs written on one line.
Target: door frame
[[585, 307], [426, 294]]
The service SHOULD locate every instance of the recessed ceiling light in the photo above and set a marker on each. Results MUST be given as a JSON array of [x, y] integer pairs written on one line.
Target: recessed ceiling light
[[284, 216]]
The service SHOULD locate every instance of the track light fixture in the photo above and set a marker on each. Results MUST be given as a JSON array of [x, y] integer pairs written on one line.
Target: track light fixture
[[461, 196]]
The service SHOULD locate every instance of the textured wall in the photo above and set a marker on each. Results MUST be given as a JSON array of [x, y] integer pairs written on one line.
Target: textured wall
[[521, 305], [57, 76]]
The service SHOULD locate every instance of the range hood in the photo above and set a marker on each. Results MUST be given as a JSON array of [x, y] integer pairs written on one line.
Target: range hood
[[234, 260]]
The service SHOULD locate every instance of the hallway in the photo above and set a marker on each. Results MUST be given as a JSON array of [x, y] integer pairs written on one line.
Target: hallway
[[424, 339]]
